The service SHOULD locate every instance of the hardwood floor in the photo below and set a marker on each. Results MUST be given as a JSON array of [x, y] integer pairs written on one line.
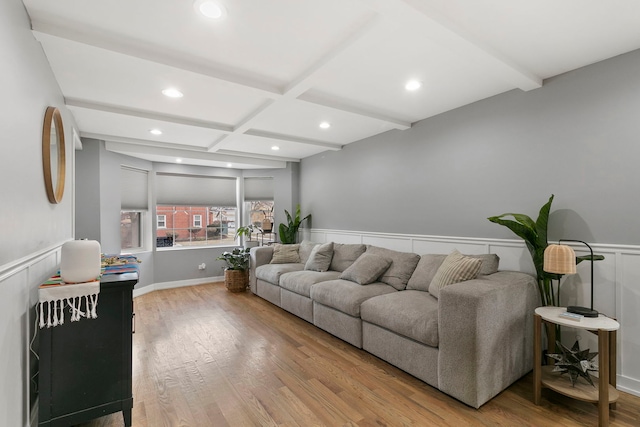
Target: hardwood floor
[[207, 357]]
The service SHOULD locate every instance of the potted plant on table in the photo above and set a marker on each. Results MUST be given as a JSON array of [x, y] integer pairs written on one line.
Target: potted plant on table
[[236, 275], [246, 232]]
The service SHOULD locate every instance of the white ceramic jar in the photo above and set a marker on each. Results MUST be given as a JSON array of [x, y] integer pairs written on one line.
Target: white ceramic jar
[[80, 261]]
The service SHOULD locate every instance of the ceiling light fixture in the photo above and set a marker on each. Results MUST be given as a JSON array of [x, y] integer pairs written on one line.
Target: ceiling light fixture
[[178, 160], [325, 125], [209, 9], [275, 148], [229, 165], [413, 85], [172, 93], [156, 131]]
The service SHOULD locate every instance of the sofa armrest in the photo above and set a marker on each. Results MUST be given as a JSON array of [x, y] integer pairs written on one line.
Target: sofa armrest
[[485, 330], [258, 256]]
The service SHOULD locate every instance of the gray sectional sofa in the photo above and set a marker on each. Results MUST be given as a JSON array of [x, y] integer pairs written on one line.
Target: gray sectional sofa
[[471, 340]]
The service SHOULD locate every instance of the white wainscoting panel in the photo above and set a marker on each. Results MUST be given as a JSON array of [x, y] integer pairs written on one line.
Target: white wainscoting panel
[[19, 284], [616, 282]]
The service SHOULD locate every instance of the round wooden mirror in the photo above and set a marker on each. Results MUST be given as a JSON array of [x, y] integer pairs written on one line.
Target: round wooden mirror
[[53, 154]]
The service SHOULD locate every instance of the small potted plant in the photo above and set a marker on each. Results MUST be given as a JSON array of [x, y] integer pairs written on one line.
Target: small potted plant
[[246, 232], [236, 275]]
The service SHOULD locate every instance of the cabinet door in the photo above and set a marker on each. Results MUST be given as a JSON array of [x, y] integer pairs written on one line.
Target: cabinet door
[[91, 359]]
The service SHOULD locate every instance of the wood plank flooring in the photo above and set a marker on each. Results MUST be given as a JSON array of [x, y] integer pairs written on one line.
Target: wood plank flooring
[[205, 357]]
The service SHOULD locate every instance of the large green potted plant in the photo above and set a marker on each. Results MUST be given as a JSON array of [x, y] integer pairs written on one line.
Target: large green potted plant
[[534, 234], [289, 232], [236, 275]]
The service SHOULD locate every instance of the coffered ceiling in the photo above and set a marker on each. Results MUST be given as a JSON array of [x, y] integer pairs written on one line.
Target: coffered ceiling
[[268, 73]]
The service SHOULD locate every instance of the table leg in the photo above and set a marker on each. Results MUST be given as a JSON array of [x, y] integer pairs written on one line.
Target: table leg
[[613, 345], [603, 381], [537, 359]]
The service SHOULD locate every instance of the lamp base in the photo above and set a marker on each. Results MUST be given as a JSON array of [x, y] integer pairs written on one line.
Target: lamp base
[[584, 311]]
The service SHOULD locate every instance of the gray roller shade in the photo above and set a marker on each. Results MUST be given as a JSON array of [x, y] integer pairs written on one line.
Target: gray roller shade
[[134, 194], [258, 189], [195, 190]]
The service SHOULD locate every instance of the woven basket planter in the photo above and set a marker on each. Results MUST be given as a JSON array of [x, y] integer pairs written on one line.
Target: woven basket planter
[[236, 280]]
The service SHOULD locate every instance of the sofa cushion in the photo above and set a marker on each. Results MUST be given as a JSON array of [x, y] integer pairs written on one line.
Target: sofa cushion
[[490, 263], [402, 266], [300, 282], [271, 272], [305, 250], [425, 271], [345, 254], [412, 314], [366, 269], [455, 268], [347, 296], [285, 254], [320, 257]]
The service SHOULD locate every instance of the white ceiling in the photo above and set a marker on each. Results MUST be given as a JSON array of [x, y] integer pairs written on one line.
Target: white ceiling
[[270, 71]]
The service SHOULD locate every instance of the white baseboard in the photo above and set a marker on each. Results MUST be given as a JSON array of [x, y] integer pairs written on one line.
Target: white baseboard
[[628, 385], [176, 284]]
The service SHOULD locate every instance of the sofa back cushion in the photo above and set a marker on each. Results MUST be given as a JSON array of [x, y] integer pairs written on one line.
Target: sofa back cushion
[[429, 264], [454, 269], [285, 254], [320, 258], [305, 250], [425, 271], [345, 254], [402, 266], [366, 269], [490, 263]]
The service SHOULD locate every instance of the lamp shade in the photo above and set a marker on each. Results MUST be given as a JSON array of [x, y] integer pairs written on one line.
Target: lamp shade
[[559, 259]]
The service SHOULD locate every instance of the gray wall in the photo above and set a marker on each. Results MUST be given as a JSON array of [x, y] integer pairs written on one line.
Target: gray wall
[[29, 221], [576, 137], [32, 229]]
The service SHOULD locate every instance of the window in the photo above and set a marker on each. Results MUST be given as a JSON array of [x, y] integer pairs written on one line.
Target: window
[[196, 226], [134, 197], [258, 206], [199, 210], [130, 230], [162, 221]]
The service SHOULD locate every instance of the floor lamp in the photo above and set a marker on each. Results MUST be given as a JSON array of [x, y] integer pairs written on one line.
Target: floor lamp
[[561, 259]]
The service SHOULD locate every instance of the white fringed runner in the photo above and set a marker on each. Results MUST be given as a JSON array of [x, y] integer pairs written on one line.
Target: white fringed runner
[[81, 300]]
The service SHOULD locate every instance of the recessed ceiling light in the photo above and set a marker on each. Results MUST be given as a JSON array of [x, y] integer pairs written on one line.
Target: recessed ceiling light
[[156, 131], [325, 125], [275, 148], [210, 9], [178, 160], [172, 93], [413, 85], [229, 165]]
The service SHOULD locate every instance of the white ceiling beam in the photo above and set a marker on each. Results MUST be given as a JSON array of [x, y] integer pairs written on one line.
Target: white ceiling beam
[[257, 156], [282, 137], [133, 150], [145, 114], [142, 142]]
